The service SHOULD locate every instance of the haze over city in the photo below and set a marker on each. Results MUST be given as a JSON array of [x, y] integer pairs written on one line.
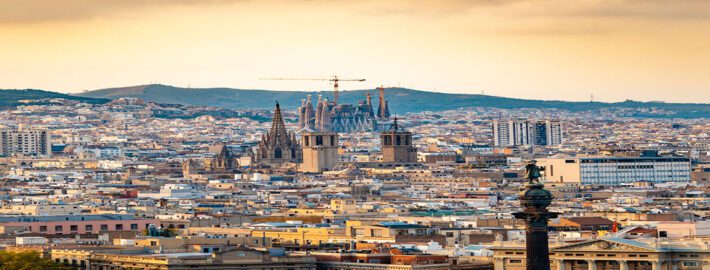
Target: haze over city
[[354, 135], [567, 50]]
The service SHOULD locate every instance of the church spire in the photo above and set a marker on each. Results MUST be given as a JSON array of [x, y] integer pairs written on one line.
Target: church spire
[[278, 128]]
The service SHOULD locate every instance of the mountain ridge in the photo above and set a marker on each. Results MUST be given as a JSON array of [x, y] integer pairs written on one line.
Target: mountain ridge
[[10, 98], [401, 100]]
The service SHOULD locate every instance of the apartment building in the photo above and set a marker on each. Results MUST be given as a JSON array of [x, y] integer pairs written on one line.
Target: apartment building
[[29, 142]]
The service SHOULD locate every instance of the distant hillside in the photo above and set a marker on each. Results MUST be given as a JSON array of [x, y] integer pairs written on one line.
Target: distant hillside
[[11, 98], [401, 100]]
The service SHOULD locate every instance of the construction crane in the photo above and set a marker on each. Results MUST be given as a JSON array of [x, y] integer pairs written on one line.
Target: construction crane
[[334, 79]]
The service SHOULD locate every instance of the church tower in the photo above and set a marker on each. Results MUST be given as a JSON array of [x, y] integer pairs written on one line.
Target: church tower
[[278, 146], [320, 151], [397, 145], [383, 110], [306, 114]]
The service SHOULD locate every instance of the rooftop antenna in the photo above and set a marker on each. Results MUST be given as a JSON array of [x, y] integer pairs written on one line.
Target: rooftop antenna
[[591, 98]]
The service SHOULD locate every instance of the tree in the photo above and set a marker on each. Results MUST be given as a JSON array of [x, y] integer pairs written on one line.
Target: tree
[[27, 261]]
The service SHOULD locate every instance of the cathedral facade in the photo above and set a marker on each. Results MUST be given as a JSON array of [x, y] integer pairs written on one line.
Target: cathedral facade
[[278, 145], [329, 116]]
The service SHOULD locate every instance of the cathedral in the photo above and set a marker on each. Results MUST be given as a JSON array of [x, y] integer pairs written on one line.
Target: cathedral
[[278, 146], [329, 116]]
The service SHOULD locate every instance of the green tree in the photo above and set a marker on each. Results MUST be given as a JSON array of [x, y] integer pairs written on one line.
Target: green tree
[[27, 261]]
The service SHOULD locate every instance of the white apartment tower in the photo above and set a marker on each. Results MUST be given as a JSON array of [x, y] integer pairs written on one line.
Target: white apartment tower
[[547, 132], [31, 142], [516, 132], [511, 132]]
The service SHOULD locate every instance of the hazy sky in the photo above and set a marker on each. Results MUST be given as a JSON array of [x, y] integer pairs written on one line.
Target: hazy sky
[[552, 49]]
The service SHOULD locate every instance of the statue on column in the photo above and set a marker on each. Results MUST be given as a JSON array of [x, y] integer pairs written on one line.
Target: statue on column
[[532, 172]]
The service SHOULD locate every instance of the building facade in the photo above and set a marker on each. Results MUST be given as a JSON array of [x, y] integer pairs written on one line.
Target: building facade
[[515, 132], [320, 151], [397, 145], [616, 170], [330, 116], [25, 142], [547, 132], [76, 224], [279, 145], [608, 254]]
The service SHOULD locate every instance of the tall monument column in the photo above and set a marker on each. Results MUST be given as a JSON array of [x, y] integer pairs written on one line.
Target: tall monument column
[[534, 200]]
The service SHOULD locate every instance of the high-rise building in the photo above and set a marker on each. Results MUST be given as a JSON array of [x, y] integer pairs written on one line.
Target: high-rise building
[[320, 151], [511, 132], [278, 146], [397, 145], [32, 142], [515, 132], [547, 132]]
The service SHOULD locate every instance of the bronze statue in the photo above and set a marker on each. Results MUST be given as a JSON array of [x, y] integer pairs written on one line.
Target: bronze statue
[[532, 172]]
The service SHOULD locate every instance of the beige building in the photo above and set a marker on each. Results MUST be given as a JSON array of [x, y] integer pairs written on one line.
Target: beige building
[[232, 259], [397, 145], [611, 254], [42, 209], [320, 151]]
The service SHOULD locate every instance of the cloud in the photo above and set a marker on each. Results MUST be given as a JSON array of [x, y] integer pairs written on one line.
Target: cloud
[[39, 11]]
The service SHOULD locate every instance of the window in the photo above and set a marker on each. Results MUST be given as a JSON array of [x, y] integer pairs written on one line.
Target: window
[[359, 232], [74, 228], [58, 228], [278, 153], [119, 227], [319, 140], [89, 228], [134, 226], [449, 234], [104, 227], [695, 264], [516, 261], [42, 228]]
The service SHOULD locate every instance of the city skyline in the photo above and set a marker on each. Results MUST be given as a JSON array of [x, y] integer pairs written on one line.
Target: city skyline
[[613, 50]]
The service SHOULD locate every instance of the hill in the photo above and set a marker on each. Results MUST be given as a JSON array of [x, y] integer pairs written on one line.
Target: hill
[[11, 98], [401, 100]]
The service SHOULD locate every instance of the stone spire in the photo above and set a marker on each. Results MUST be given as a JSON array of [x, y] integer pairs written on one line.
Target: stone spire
[[325, 119], [278, 145], [387, 110], [309, 115], [370, 111], [319, 112], [381, 109], [302, 114], [278, 128]]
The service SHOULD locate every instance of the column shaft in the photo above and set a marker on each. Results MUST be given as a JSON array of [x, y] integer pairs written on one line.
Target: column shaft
[[623, 265], [560, 264]]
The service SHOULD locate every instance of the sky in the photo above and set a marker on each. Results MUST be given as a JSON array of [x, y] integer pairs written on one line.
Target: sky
[[649, 50]]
